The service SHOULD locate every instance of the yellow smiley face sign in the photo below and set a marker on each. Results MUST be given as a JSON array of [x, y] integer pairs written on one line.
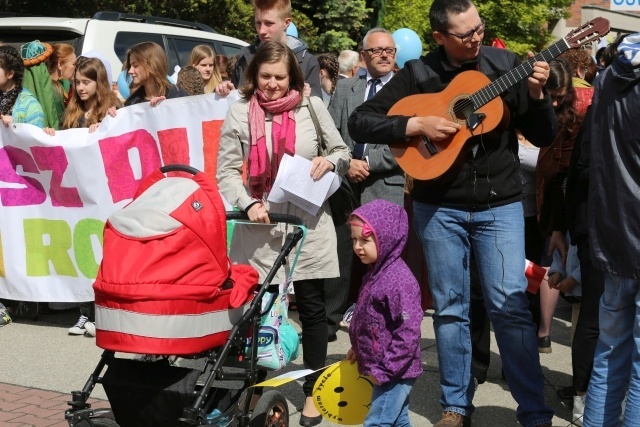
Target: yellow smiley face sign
[[342, 395]]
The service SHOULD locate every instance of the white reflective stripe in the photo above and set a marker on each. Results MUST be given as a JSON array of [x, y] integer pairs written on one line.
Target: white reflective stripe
[[167, 326]]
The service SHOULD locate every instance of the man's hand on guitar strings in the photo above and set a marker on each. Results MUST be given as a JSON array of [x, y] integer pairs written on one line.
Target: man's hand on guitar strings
[[434, 128], [538, 78]]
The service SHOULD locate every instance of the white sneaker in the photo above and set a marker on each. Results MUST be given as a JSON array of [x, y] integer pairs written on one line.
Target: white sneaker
[[90, 329], [78, 328], [578, 410], [346, 319]]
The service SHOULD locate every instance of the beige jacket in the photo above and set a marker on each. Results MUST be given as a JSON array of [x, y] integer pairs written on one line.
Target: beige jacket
[[259, 245]]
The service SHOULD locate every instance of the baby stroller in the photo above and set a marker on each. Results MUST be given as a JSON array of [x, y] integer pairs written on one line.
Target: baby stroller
[[167, 290]]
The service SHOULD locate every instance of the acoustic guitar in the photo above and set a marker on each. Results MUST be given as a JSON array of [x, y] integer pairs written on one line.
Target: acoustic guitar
[[473, 101]]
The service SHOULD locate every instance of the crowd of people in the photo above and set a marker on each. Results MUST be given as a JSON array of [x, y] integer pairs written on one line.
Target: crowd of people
[[537, 188]]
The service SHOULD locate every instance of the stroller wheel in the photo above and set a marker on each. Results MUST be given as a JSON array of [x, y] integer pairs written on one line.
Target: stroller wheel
[[271, 410]]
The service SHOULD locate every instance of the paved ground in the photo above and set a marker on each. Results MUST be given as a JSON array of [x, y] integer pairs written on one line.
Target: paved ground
[[40, 364]]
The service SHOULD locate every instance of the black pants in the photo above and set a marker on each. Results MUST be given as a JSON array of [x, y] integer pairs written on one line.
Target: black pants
[[313, 317], [88, 309], [587, 329], [337, 289]]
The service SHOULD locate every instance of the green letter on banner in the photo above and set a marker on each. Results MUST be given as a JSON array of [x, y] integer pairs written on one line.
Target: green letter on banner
[[85, 257], [57, 250]]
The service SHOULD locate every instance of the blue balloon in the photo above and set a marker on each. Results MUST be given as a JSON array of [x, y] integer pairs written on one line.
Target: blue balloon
[[409, 45], [292, 30], [123, 84]]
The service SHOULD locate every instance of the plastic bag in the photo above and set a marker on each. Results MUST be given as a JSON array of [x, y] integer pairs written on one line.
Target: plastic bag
[[278, 340]]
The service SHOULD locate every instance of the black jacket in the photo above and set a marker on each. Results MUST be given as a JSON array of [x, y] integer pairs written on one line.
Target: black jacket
[[138, 96], [613, 132], [475, 182]]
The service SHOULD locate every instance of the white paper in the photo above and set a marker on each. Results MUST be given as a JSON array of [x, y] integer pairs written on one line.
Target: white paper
[[294, 184]]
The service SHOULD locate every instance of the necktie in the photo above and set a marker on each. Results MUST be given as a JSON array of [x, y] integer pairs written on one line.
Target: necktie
[[373, 88], [358, 149]]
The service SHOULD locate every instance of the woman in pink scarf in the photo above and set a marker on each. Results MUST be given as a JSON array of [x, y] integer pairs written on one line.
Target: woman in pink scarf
[[273, 119]]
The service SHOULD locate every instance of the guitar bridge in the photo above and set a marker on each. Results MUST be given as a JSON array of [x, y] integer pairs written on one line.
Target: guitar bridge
[[429, 145]]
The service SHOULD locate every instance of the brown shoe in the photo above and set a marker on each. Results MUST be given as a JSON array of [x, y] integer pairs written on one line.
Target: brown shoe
[[453, 419]]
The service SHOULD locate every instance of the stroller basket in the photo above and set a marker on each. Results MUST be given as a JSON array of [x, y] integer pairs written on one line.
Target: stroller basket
[[148, 394]]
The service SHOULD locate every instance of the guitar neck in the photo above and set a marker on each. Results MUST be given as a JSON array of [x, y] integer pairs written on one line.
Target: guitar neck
[[522, 71]]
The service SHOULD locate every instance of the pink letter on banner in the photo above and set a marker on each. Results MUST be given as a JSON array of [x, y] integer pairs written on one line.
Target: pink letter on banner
[[174, 146], [122, 183], [33, 194], [55, 160], [211, 136]]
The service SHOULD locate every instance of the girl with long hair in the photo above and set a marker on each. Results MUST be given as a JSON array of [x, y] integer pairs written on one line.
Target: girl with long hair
[[60, 64], [17, 104], [204, 59], [93, 98], [551, 172], [90, 103], [148, 67], [329, 73]]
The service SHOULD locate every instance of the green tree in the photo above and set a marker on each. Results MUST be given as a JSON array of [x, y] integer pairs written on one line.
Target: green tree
[[341, 23], [521, 24], [412, 14]]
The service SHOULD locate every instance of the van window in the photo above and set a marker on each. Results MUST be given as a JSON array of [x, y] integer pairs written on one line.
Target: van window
[[19, 36], [124, 40], [231, 49]]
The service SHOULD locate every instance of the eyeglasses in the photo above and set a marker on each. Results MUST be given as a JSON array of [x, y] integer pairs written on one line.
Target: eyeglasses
[[377, 51], [468, 36]]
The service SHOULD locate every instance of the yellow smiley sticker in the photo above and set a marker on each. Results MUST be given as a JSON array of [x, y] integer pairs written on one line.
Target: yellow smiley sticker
[[342, 395]]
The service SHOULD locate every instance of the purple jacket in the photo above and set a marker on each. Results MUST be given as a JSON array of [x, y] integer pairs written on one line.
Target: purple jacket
[[385, 328]]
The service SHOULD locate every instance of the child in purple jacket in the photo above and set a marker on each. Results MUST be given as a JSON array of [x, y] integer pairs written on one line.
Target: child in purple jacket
[[385, 328]]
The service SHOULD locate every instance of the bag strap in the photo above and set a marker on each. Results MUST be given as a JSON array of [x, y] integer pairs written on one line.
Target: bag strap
[[322, 147]]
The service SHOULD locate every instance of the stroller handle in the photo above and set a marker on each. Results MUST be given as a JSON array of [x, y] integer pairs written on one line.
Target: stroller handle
[[179, 168], [273, 217]]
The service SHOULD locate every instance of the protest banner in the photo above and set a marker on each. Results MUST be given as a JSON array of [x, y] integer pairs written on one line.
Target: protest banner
[[56, 192]]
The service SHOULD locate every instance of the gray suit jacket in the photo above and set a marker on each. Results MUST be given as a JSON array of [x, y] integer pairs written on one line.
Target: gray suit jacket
[[386, 179]]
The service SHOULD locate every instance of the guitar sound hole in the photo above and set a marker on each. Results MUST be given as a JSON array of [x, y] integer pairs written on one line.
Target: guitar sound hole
[[462, 109]]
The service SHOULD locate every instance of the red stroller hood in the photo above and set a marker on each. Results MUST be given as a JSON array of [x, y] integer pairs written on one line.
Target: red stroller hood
[[165, 284]]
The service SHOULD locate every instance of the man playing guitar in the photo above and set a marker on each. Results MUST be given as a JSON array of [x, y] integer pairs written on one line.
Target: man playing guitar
[[474, 206]]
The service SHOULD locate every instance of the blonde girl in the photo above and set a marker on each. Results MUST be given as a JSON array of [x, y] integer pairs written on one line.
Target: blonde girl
[[204, 59]]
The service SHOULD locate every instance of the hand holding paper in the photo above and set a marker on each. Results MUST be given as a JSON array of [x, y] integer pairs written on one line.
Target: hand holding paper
[[294, 183]]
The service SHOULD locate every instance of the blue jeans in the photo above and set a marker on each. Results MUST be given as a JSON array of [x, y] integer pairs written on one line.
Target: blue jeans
[[496, 237], [617, 358], [390, 404]]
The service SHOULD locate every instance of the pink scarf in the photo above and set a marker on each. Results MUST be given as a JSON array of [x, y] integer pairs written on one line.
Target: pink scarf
[[283, 138]]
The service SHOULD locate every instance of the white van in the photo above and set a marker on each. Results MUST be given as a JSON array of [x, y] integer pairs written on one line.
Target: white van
[[112, 33]]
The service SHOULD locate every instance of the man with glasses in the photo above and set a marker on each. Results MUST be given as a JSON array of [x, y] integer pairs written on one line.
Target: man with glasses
[[373, 172], [475, 206]]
